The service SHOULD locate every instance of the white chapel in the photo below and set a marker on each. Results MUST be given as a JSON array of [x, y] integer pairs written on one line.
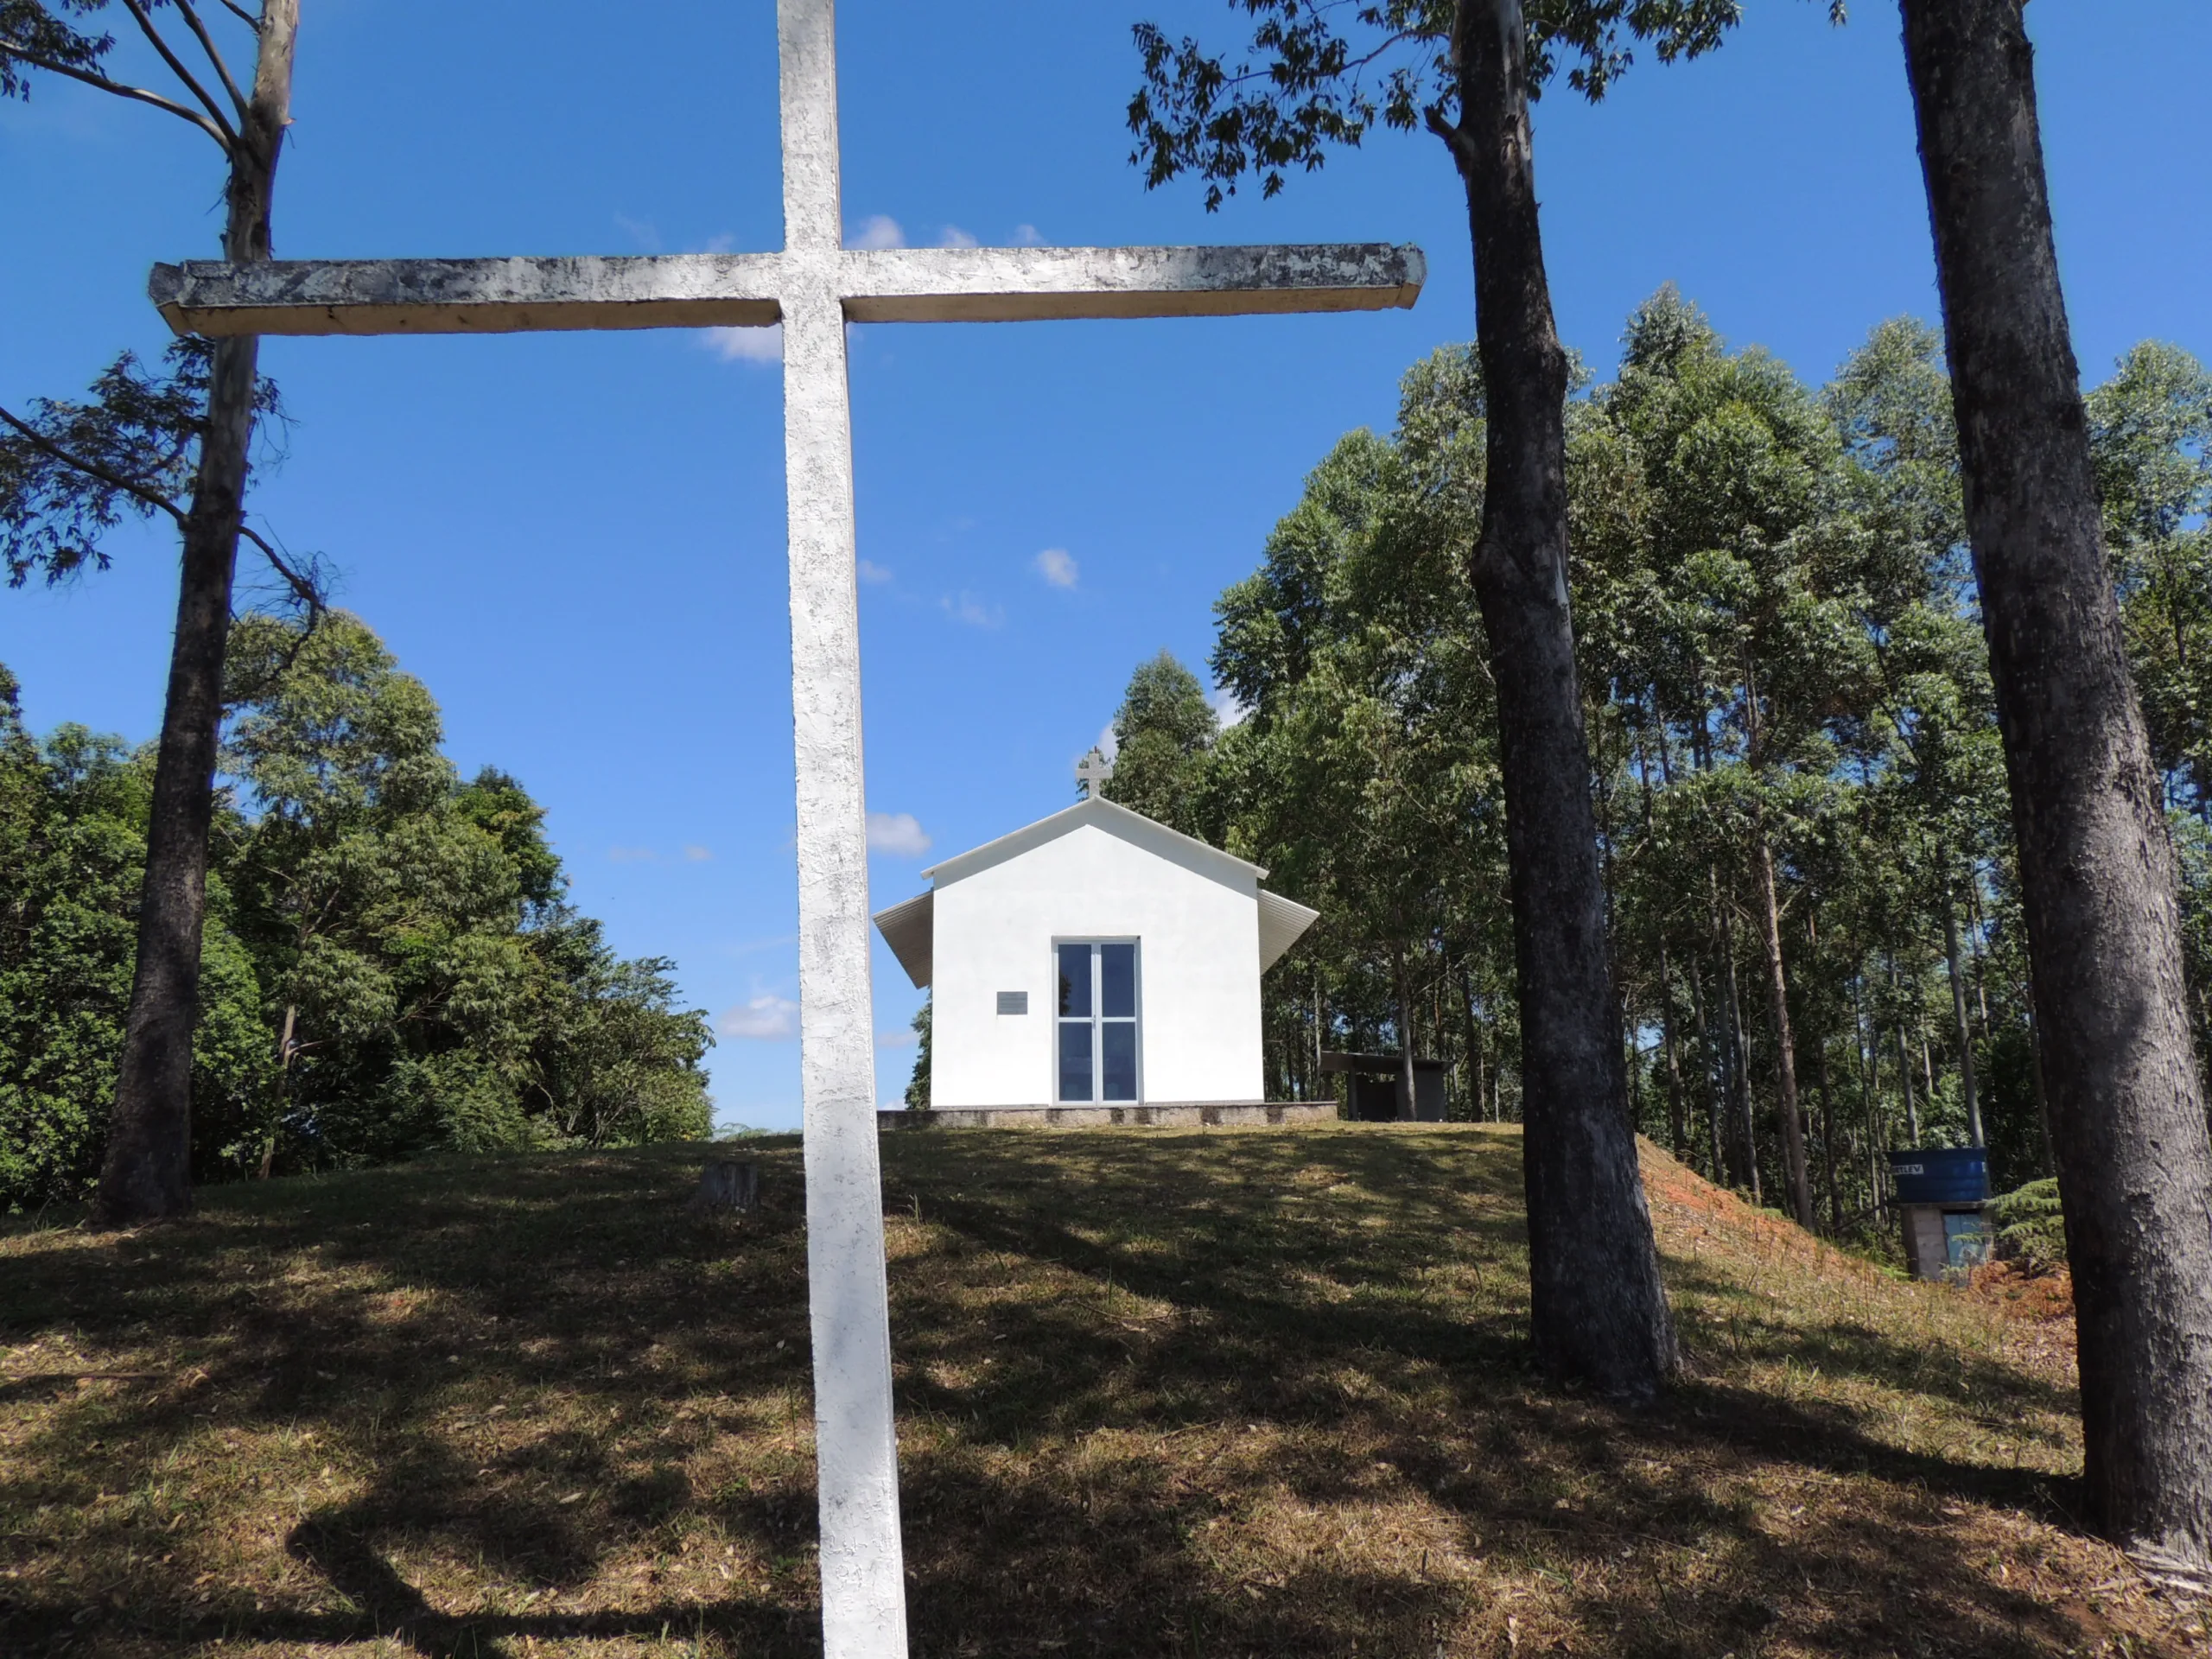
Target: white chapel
[[1095, 960]]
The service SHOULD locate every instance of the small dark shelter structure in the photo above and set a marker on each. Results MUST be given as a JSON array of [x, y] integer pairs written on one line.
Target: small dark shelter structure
[[1941, 1192], [1375, 1088]]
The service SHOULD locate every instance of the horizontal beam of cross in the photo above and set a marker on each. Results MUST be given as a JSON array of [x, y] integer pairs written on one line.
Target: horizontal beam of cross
[[698, 290]]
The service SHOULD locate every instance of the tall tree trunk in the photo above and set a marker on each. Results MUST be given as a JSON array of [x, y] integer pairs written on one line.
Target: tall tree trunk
[[1320, 1078], [1598, 1311], [1407, 1106], [1827, 1144], [1904, 1061], [1718, 1168], [2097, 880], [284, 1048], [1968, 1096], [1476, 1068], [1785, 1056], [1976, 946], [1677, 1128], [2043, 1098], [1877, 1127], [147, 1174], [1739, 1050]]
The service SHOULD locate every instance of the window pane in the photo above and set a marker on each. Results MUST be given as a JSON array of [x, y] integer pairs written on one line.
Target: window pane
[[1117, 980], [1075, 980], [1118, 1039], [1075, 1062]]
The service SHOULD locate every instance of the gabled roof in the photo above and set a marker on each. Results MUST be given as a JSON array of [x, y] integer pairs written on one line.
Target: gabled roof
[[910, 928], [910, 931], [1107, 816], [1282, 921]]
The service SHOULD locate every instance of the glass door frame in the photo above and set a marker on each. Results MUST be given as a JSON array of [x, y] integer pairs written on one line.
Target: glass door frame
[[1097, 1018]]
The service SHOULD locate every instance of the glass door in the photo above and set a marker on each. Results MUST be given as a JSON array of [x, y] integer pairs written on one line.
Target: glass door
[[1097, 1035]]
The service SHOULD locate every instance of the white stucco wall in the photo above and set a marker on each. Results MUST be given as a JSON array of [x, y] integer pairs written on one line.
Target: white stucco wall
[[1197, 924]]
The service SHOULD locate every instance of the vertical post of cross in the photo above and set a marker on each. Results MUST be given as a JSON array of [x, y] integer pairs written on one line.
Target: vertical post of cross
[[863, 1588]]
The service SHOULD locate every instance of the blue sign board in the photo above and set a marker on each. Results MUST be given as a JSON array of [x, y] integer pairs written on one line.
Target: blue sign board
[[1941, 1175]]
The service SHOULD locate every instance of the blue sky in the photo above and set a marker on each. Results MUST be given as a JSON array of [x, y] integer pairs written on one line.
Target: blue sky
[[577, 542]]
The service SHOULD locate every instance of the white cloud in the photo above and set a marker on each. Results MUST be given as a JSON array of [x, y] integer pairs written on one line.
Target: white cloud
[[873, 573], [1228, 707], [643, 231], [953, 236], [973, 611], [746, 344], [766, 1019], [876, 231], [630, 854], [1109, 745], [1057, 565], [696, 854], [904, 1037], [1027, 236], [722, 243], [899, 833]]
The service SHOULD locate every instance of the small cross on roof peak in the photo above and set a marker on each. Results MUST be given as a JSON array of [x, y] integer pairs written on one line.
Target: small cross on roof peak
[[1093, 773]]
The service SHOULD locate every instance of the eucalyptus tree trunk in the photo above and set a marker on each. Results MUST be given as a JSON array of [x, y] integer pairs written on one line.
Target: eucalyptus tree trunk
[[2097, 880], [1677, 1128], [147, 1174], [1408, 1105], [1598, 1312], [1706, 1055], [1827, 1144], [1904, 1059], [1785, 1056], [1739, 1050], [1476, 1068], [1967, 1094]]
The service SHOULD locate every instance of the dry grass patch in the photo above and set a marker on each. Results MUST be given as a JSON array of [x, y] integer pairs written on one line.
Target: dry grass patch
[[1254, 1393]]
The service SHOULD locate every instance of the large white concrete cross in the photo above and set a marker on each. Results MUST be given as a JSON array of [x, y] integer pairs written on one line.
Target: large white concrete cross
[[813, 288]]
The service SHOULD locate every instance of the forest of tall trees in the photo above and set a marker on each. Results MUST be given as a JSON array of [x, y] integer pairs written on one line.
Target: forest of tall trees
[[391, 965], [1809, 876]]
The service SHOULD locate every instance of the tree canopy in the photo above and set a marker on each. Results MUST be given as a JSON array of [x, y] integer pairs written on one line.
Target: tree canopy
[[1799, 781], [391, 964], [1318, 73]]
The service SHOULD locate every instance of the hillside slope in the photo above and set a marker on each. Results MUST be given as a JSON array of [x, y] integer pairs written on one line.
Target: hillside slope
[[1218, 1395]]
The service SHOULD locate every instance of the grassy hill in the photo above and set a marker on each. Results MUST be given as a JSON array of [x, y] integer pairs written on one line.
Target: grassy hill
[[1194, 1394]]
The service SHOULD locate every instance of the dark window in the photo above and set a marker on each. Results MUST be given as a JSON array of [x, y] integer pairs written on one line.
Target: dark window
[[1075, 1059], [1117, 1039], [1117, 982], [1075, 980]]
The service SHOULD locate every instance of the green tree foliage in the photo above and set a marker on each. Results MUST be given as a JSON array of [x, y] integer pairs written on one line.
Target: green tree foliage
[[917, 1085], [72, 815], [391, 966], [2150, 432], [2151, 435], [2031, 1225], [1320, 73], [1164, 734], [1791, 717], [1365, 775]]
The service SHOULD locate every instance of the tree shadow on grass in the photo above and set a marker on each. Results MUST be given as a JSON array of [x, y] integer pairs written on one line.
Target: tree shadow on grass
[[1160, 1396]]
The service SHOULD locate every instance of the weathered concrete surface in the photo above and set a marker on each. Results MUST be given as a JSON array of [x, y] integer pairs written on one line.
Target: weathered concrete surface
[[857, 1453], [468, 296], [700, 290], [1036, 284], [1282, 1114], [812, 288]]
